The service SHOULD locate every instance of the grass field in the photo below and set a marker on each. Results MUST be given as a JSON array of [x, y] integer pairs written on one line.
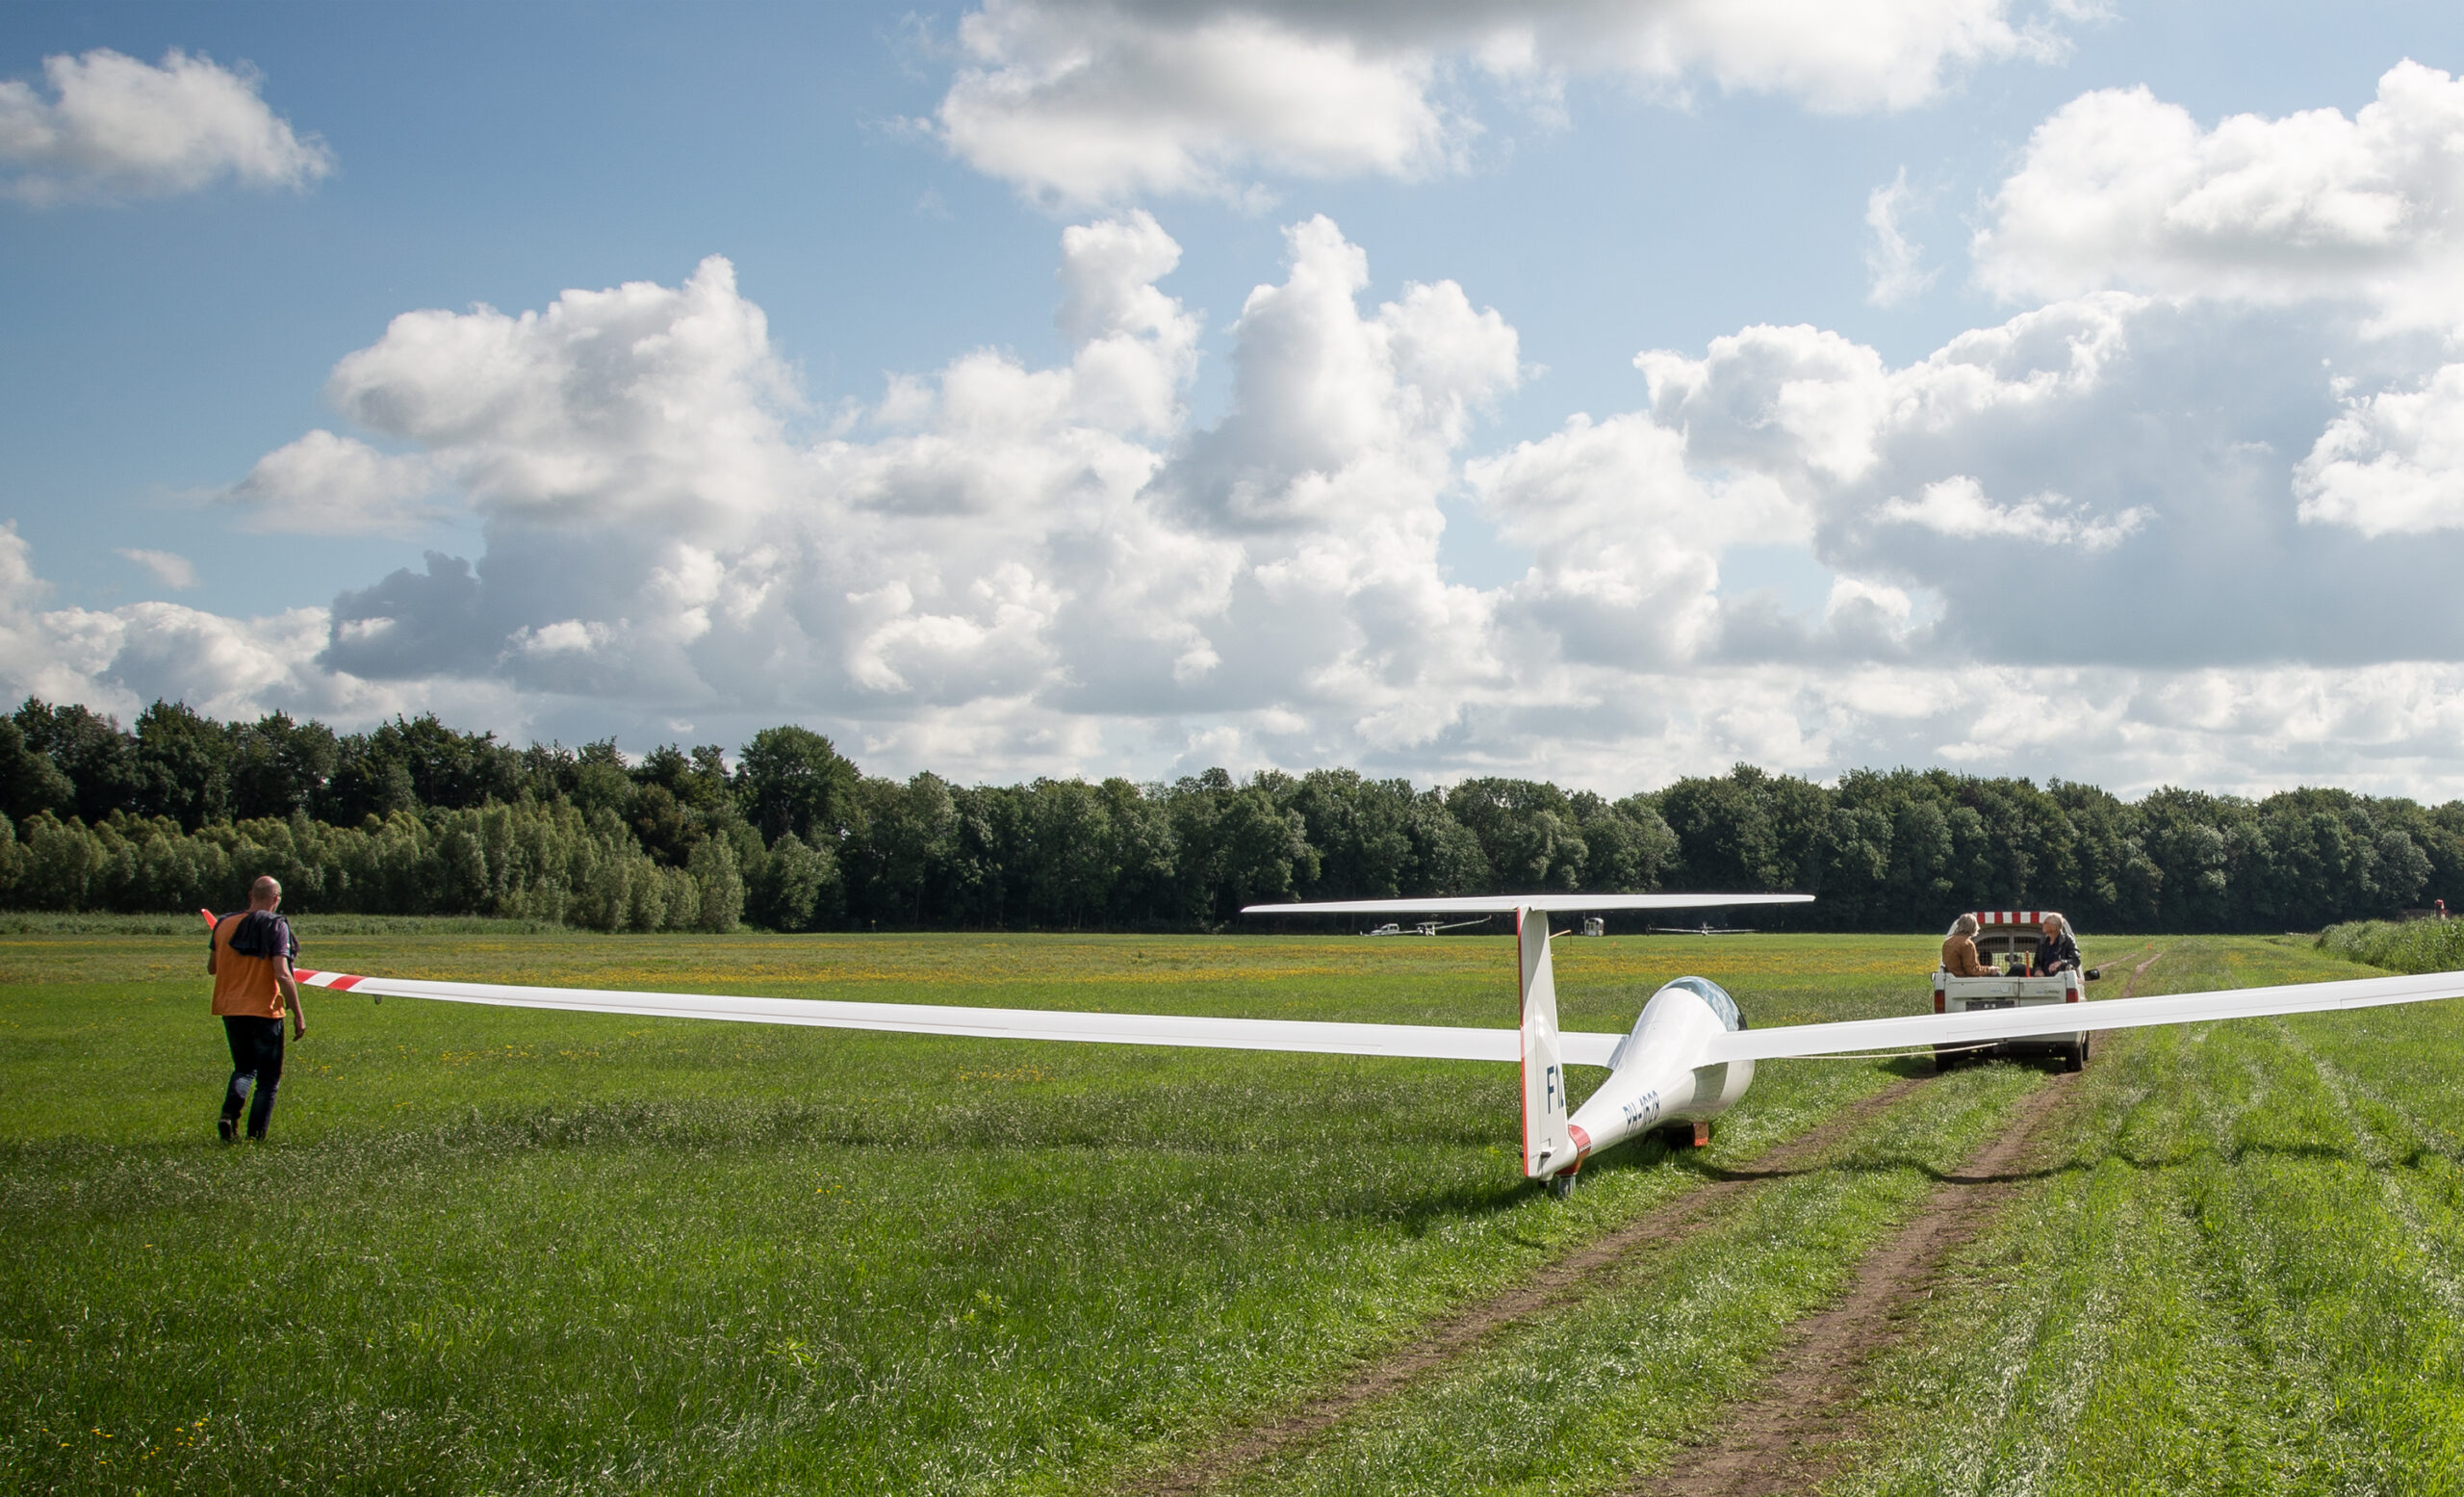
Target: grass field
[[2241, 1274], [497, 1251]]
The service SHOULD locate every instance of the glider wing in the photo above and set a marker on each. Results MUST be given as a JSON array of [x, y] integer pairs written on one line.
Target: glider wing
[[2008, 1023], [1507, 904], [1425, 1042]]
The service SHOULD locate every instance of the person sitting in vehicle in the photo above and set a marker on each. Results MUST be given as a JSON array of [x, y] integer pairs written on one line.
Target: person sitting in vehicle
[[2059, 953], [1959, 952]]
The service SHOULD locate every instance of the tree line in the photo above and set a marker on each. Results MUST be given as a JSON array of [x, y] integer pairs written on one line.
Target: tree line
[[414, 817]]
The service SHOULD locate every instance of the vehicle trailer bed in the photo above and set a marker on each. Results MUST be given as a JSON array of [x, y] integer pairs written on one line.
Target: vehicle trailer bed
[[1970, 995]]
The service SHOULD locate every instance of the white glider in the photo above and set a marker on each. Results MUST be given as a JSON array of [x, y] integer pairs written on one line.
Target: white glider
[[1689, 1057]]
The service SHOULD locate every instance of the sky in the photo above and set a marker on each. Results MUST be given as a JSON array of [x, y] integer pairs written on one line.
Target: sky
[[1598, 392]]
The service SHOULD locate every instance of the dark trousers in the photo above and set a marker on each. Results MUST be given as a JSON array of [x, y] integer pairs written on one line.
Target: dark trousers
[[256, 1065]]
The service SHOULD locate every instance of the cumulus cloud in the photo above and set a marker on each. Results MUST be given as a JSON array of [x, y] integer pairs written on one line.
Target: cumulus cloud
[[2109, 481], [1039, 549], [2393, 463], [2120, 189], [1089, 101], [2099, 506], [1957, 507], [118, 659], [634, 401], [116, 127], [1625, 536], [325, 484]]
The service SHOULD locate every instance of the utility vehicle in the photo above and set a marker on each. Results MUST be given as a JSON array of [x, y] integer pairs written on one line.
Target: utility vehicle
[[2006, 941]]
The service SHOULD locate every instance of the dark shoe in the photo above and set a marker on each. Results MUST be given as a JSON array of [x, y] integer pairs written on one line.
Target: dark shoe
[[227, 1129]]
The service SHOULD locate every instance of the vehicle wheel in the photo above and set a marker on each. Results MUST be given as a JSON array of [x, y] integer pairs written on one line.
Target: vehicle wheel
[[1945, 1059], [2075, 1057]]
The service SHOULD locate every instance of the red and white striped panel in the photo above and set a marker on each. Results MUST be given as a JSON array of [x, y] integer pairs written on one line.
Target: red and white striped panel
[[340, 982], [2011, 916]]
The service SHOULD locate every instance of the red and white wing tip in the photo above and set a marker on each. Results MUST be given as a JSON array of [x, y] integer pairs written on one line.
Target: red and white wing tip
[[340, 982]]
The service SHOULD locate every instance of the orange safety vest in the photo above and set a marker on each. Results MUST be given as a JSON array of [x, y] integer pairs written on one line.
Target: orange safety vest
[[245, 985]]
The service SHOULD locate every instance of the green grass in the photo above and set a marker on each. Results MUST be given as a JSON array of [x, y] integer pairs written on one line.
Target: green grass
[[2406, 946], [499, 1250], [2240, 1277], [1583, 1399], [508, 1251]]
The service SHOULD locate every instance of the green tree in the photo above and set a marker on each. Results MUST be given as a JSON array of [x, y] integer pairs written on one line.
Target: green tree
[[98, 758], [1362, 830], [29, 780], [278, 766], [791, 779], [789, 893], [183, 766], [720, 882], [901, 837], [1528, 832]]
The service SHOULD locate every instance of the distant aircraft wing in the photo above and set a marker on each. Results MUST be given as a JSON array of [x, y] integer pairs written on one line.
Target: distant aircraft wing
[[2010, 1024], [1423, 1042], [1502, 904]]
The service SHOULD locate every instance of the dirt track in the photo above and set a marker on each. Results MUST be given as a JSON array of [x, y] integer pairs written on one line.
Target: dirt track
[[1786, 1437], [1555, 1284]]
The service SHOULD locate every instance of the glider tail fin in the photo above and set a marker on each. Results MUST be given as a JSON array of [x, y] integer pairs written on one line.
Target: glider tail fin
[[1547, 1150]]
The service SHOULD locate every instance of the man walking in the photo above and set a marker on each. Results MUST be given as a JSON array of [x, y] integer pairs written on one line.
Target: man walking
[[250, 964]]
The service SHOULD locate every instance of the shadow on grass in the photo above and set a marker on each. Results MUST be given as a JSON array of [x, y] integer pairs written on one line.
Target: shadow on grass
[[1889, 1164]]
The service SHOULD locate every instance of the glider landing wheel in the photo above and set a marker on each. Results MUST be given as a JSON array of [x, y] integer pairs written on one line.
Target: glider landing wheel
[[1562, 1186]]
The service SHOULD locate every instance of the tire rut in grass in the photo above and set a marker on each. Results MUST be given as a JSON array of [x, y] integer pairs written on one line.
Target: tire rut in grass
[[1553, 1284], [1786, 1437], [1790, 1435]]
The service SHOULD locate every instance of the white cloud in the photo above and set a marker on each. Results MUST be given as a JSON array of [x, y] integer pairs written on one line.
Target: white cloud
[[1085, 103], [565, 637], [631, 401], [1001, 568], [118, 660], [325, 484], [2392, 464], [1625, 537], [116, 127], [1054, 539], [168, 567], [2120, 189], [1893, 261], [1090, 101], [1875, 604], [1957, 507]]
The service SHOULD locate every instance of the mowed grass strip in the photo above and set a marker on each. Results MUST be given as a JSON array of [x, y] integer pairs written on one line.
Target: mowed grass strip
[[2240, 1277], [497, 1250]]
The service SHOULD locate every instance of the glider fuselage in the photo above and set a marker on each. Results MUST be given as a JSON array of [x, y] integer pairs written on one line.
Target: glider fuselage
[[1660, 1073]]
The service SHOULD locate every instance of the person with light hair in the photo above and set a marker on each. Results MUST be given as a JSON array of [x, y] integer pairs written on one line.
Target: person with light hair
[[2058, 952], [1959, 952]]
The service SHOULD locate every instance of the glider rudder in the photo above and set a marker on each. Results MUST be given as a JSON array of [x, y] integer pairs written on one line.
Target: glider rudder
[[1546, 1148]]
